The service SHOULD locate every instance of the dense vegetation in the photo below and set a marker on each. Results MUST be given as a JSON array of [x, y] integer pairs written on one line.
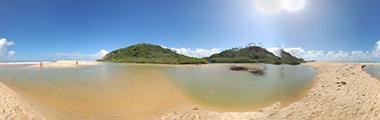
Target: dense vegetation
[[148, 53], [253, 54], [290, 59], [250, 54]]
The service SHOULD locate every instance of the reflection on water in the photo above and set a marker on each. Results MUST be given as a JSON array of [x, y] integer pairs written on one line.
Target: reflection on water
[[121, 91], [217, 86]]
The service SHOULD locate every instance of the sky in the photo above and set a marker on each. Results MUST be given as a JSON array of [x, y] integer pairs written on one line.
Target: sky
[[88, 29]]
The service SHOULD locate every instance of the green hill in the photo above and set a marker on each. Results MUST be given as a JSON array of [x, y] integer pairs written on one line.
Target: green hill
[[148, 53], [252, 54], [287, 58]]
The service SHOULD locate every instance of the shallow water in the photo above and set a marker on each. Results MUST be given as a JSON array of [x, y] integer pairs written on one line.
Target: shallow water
[[125, 91], [373, 70], [218, 87]]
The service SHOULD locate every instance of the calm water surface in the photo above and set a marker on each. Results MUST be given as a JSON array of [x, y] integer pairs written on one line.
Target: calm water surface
[[373, 70], [217, 86], [125, 91]]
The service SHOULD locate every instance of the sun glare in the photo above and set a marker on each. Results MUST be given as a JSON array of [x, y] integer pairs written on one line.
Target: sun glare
[[275, 6], [268, 6], [293, 5]]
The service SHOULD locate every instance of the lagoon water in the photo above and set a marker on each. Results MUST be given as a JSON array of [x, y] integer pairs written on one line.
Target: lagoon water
[[373, 70], [132, 91], [218, 87]]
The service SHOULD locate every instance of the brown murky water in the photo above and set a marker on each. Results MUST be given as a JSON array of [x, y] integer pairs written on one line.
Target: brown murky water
[[124, 91]]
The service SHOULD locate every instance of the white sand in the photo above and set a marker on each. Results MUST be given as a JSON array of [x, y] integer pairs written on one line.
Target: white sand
[[342, 91], [12, 107], [66, 63]]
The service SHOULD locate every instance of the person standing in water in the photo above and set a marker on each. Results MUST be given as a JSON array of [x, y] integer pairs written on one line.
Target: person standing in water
[[41, 64]]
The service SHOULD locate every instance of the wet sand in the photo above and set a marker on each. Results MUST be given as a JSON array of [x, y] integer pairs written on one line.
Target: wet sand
[[342, 91]]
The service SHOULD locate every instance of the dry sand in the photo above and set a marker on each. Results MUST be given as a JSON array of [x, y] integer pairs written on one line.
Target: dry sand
[[342, 91], [66, 63], [12, 107]]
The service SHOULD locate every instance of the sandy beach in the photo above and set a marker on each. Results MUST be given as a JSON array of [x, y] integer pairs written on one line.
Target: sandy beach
[[65, 63], [14, 108], [341, 91]]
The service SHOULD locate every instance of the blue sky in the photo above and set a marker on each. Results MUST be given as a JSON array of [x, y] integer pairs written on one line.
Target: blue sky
[[79, 29]]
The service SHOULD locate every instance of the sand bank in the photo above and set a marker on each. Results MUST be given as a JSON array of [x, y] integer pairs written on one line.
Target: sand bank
[[342, 91], [12, 107], [65, 63]]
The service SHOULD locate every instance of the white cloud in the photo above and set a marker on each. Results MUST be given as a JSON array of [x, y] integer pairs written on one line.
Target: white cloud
[[376, 49], [293, 5], [81, 56], [11, 54], [313, 54], [4, 44], [268, 6], [102, 53], [275, 6], [275, 51], [340, 55], [199, 52], [298, 51], [358, 54]]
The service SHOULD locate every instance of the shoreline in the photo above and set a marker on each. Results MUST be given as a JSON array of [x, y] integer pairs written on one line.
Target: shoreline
[[340, 91], [13, 107], [65, 64]]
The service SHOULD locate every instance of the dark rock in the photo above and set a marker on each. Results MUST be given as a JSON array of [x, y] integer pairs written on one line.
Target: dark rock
[[364, 66], [254, 70], [257, 71], [238, 68]]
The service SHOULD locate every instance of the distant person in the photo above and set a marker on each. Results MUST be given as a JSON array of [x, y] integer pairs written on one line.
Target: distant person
[[77, 63], [41, 64]]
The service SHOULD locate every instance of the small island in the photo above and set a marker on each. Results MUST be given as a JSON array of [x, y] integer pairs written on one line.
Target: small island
[[149, 53], [253, 54], [155, 54]]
